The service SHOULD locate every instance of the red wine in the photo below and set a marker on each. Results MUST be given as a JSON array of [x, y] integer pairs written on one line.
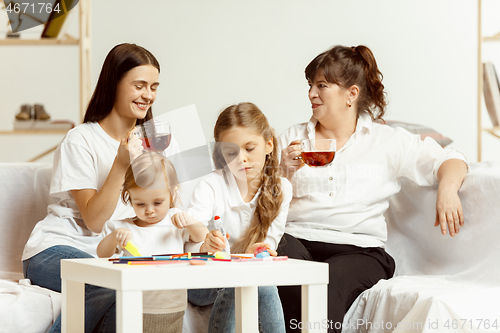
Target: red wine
[[317, 158], [157, 144]]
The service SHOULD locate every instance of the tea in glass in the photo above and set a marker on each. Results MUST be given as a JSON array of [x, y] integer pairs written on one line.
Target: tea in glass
[[154, 134], [318, 152]]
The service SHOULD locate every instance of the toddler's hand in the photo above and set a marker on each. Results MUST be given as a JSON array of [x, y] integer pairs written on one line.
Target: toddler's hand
[[182, 220], [122, 236], [254, 247]]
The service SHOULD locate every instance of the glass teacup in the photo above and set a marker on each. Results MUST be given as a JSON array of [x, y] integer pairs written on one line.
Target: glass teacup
[[154, 134], [318, 152]]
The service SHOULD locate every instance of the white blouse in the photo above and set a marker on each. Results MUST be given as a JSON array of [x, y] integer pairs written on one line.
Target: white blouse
[[344, 202], [214, 196]]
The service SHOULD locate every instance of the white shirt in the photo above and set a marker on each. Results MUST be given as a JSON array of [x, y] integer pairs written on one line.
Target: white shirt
[[213, 196], [344, 202], [160, 238], [81, 161]]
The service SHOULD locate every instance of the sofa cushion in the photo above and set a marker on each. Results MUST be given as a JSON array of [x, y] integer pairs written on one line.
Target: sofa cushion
[[26, 308], [25, 187], [424, 304], [422, 130]]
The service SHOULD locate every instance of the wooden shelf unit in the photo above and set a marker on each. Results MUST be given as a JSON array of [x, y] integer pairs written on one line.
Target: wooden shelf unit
[[495, 38], [480, 93], [84, 44], [33, 132], [495, 131], [37, 132], [45, 41]]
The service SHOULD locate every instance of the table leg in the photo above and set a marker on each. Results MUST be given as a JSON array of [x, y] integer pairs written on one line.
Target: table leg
[[73, 306], [128, 311], [246, 306], [314, 308]]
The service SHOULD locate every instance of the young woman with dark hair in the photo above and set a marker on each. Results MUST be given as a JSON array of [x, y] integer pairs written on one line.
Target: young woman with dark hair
[[88, 173], [119, 61], [336, 214]]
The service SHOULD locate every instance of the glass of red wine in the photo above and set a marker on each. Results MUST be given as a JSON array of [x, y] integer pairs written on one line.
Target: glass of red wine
[[318, 152], [155, 135]]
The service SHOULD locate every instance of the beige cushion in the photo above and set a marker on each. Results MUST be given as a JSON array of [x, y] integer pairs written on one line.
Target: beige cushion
[[24, 199]]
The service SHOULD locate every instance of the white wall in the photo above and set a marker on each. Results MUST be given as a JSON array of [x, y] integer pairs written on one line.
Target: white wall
[[490, 52], [219, 52]]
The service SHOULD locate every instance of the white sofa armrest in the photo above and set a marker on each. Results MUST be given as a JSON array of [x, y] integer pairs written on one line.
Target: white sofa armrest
[[419, 248]]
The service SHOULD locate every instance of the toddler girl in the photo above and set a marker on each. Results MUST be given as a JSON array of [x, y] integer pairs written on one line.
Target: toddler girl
[[151, 187]]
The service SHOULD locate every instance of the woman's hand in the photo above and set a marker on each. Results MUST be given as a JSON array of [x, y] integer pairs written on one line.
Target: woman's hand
[[449, 211], [291, 160], [96, 207], [254, 247], [214, 242], [135, 147], [130, 147], [450, 176], [122, 236]]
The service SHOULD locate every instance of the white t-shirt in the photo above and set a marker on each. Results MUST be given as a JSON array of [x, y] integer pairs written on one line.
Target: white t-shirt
[[213, 196], [344, 202], [160, 238], [82, 161]]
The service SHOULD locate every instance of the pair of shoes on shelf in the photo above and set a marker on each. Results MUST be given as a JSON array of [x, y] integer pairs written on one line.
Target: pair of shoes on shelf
[[36, 112], [25, 112], [40, 113]]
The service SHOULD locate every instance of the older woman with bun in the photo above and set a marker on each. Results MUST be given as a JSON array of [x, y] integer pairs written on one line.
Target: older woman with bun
[[336, 214]]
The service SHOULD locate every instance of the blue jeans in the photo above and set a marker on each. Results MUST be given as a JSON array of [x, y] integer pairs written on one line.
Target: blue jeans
[[44, 270], [222, 317]]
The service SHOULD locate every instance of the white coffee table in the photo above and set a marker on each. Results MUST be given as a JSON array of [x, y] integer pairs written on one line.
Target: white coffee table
[[129, 282]]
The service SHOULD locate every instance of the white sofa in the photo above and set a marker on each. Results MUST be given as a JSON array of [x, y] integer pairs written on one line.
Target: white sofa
[[441, 284], [25, 308], [438, 278]]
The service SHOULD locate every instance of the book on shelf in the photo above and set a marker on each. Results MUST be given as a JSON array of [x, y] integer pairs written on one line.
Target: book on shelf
[[58, 21], [491, 88], [43, 125]]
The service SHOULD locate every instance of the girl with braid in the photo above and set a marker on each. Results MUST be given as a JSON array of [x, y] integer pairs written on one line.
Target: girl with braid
[[251, 199]]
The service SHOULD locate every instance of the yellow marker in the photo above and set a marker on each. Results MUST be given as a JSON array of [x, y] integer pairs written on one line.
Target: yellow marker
[[189, 255], [222, 255], [132, 248]]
